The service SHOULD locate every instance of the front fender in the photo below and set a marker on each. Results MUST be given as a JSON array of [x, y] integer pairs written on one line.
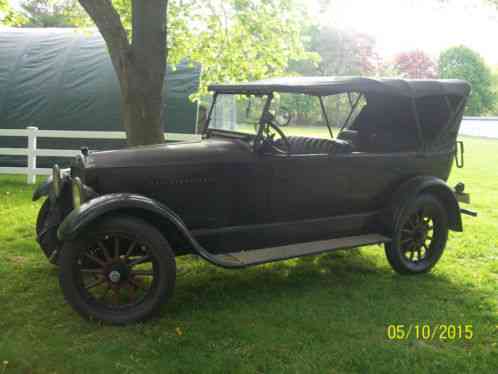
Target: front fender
[[43, 189], [416, 186], [90, 211]]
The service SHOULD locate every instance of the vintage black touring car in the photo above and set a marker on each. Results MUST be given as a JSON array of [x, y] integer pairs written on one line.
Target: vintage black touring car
[[252, 192]]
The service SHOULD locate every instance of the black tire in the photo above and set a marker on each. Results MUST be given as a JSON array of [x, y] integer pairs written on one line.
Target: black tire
[[47, 236], [420, 237], [135, 238]]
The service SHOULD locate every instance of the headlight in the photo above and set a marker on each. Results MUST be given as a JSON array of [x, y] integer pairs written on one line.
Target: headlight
[[77, 190]]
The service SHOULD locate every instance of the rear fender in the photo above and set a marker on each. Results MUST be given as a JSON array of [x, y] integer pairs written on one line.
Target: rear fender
[[414, 187]]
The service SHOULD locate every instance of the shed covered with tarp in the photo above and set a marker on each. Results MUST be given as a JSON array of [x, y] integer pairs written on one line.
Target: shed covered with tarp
[[63, 79]]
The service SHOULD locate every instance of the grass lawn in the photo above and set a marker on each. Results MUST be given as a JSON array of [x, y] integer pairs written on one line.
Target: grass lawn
[[325, 314]]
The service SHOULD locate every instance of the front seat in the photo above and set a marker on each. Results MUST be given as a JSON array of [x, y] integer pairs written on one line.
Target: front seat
[[305, 145]]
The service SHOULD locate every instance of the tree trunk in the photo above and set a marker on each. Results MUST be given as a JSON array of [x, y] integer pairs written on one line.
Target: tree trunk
[[141, 109], [143, 79], [140, 66]]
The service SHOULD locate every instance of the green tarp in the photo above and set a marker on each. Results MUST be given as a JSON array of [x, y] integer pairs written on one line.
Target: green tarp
[[63, 79]]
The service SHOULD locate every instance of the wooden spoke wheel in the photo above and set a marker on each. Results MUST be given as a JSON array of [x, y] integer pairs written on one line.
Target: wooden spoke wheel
[[124, 271], [420, 238], [119, 272]]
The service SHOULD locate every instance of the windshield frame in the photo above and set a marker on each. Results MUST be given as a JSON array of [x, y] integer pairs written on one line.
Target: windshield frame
[[263, 118], [266, 115]]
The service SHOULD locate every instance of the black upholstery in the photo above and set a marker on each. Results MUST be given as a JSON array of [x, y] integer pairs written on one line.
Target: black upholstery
[[305, 145]]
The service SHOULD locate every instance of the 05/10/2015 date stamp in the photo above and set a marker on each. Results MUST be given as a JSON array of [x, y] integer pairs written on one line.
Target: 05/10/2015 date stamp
[[428, 332]]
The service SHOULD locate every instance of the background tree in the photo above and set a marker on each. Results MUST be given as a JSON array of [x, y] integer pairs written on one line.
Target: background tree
[[9, 16], [4, 6], [232, 40], [494, 112], [415, 65], [53, 13], [139, 60], [336, 52], [463, 63], [341, 52]]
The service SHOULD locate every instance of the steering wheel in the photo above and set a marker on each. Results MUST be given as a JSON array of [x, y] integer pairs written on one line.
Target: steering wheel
[[271, 139]]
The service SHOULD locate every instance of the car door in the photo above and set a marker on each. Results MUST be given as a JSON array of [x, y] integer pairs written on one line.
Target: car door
[[249, 196], [308, 186], [242, 204]]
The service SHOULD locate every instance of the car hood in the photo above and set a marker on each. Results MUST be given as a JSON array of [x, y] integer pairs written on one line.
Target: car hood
[[213, 150]]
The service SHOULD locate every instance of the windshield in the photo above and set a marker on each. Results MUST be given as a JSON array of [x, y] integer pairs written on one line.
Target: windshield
[[294, 114], [237, 113]]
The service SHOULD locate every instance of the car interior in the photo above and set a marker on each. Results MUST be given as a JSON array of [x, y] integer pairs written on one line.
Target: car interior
[[384, 125]]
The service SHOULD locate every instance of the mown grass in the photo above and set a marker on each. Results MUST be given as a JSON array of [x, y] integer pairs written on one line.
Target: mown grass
[[326, 314]]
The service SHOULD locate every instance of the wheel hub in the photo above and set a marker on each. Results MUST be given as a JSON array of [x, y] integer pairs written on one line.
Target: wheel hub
[[118, 273], [115, 276], [420, 236]]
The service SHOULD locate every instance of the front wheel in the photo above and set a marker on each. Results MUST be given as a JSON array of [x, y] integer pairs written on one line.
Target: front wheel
[[420, 237], [120, 271], [46, 231]]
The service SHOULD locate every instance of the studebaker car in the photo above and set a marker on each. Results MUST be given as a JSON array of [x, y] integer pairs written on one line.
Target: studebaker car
[[251, 193]]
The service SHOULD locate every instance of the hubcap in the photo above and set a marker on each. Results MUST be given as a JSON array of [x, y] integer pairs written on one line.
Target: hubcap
[[114, 276]]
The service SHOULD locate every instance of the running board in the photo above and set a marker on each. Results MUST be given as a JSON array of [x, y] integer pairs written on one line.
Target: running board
[[266, 255]]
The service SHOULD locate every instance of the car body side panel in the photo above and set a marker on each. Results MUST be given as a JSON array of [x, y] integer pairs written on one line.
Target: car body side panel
[[315, 186], [216, 183], [241, 238], [232, 198], [376, 177]]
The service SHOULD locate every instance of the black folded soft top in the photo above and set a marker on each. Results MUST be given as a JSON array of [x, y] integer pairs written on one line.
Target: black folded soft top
[[323, 86]]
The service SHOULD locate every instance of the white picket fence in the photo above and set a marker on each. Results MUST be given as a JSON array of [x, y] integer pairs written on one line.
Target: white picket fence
[[32, 151]]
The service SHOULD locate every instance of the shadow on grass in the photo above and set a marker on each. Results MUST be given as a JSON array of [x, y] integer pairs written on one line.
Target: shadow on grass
[[347, 276], [346, 279]]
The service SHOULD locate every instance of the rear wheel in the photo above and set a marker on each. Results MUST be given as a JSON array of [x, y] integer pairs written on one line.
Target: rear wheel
[[420, 238], [121, 271]]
